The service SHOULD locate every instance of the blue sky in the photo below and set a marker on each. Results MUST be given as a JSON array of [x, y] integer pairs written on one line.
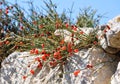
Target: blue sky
[[108, 8]]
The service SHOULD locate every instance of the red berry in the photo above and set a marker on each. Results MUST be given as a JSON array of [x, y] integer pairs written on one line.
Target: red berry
[[76, 72], [76, 50], [37, 59], [21, 43], [6, 11], [32, 72], [21, 28], [29, 65], [62, 42], [44, 57], [42, 34], [57, 24], [41, 26], [95, 42], [58, 48], [74, 28], [105, 31], [32, 51], [7, 42], [56, 53], [47, 55], [59, 57], [53, 63], [24, 77], [81, 32], [72, 35], [36, 51], [63, 48], [67, 25], [39, 65], [43, 52], [69, 47], [89, 66], [42, 45]]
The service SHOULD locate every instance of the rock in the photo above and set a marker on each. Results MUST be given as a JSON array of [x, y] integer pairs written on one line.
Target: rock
[[68, 35], [99, 74], [113, 34], [65, 34], [110, 40], [104, 43], [114, 20], [87, 30], [62, 32], [115, 79], [16, 66]]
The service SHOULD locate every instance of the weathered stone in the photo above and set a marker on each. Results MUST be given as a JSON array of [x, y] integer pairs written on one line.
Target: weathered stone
[[16, 65], [87, 30], [103, 41], [68, 35], [114, 20], [113, 35], [110, 40], [115, 79]]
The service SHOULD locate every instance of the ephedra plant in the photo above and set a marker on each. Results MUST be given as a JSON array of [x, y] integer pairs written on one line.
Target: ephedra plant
[[44, 34]]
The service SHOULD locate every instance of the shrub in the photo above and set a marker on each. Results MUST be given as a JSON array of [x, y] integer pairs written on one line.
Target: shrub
[[37, 31]]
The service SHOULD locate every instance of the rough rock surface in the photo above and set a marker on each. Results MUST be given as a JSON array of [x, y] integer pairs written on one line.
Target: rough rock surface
[[16, 65], [104, 43], [116, 77], [113, 35], [68, 35], [114, 20], [109, 36]]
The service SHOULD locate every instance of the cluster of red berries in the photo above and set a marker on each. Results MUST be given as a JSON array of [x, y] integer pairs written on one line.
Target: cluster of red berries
[[57, 55], [4, 42]]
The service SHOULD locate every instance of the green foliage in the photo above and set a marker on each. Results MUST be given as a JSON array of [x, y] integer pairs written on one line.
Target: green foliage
[[87, 18], [31, 31]]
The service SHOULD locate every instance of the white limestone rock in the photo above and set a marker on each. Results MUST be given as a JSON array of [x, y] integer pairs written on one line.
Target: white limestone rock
[[87, 30], [113, 34], [115, 79], [110, 40], [68, 35], [16, 65], [114, 20], [104, 42]]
